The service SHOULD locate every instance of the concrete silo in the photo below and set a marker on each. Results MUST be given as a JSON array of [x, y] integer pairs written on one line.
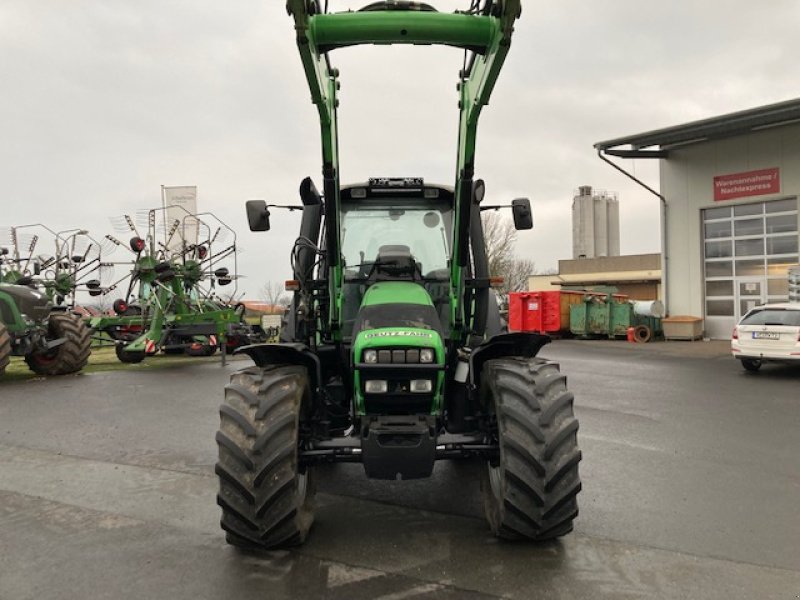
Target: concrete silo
[[595, 223]]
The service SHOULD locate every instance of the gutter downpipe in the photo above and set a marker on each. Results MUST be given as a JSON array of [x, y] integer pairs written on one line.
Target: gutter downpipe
[[664, 257]]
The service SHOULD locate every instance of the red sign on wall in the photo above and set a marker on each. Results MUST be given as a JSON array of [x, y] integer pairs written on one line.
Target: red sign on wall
[[751, 183]]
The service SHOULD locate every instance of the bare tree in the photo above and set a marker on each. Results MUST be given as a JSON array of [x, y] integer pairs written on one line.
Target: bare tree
[[274, 294], [500, 237], [517, 274]]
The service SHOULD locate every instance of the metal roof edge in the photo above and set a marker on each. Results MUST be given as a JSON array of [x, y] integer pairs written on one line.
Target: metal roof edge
[[723, 125]]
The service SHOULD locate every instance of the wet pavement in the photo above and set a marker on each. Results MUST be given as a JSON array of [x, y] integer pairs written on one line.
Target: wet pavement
[[691, 490]]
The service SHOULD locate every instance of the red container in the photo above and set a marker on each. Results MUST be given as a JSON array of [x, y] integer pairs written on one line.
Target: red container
[[541, 312], [523, 311]]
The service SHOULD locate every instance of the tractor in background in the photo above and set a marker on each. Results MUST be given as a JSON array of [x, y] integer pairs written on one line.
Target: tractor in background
[[34, 321], [52, 340]]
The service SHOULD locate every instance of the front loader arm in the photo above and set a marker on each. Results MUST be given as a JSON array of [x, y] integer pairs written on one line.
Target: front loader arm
[[485, 34]]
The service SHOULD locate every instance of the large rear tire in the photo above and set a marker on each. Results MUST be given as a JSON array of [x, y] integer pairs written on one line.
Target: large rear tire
[[266, 498], [530, 491], [69, 357], [5, 348]]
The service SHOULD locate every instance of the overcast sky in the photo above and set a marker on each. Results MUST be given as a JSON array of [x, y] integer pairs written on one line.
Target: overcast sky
[[104, 101]]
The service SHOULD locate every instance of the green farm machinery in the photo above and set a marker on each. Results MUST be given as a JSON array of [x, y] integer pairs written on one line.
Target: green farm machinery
[[35, 320], [73, 262], [171, 302], [52, 340], [392, 353]]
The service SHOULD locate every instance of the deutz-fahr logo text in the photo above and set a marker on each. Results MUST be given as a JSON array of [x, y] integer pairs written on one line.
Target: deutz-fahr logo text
[[382, 334]]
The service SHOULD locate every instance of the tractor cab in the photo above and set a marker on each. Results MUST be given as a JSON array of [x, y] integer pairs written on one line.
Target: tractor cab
[[395, 230]]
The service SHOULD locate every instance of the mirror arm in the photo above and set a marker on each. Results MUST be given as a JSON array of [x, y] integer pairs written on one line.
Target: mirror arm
[[288, 207]]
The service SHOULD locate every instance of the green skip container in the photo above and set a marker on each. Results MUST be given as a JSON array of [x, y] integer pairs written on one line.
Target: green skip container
[[606, 316]]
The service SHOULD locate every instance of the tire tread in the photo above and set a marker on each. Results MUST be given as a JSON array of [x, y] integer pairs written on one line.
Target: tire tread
[[539, 453]]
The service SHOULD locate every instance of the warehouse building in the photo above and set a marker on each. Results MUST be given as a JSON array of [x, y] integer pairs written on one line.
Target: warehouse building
[[637, 276], [729, 190]]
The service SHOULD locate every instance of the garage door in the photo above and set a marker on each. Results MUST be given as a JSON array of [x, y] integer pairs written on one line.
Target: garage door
[[748, 251]]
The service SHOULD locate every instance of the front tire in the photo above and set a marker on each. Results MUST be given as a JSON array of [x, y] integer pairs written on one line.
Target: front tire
[[265, 495], [530, 492], [751, 364], [69, 357]]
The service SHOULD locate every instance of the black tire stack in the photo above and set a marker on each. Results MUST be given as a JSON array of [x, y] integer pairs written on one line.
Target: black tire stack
[[530, 492]]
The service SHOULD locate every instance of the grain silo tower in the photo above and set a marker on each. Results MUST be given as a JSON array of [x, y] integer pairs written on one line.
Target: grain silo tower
[[595, 223]]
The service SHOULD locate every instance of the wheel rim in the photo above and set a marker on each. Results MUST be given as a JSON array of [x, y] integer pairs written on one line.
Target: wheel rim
[[495, 471], [45, 358]]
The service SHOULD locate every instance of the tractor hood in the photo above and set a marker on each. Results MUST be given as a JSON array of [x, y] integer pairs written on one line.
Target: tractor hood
[[29, 302], [397, 305], [396, 292], [396, 314]]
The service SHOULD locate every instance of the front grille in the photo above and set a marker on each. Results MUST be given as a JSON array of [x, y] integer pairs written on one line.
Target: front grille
[[399, 356]]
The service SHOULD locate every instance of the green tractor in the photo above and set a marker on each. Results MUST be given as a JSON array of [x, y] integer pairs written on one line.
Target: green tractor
[[393, 354], [53, 341]]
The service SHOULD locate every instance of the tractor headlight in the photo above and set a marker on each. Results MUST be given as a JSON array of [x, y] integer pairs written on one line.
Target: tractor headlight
[[421, 386], [426, 355], [376, 386], [370, 356]]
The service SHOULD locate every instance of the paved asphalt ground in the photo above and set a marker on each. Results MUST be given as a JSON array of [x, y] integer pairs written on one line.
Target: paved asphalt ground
[[690, 472]]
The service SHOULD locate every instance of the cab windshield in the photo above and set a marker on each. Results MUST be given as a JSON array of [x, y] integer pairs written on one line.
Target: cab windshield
[[424, 227]]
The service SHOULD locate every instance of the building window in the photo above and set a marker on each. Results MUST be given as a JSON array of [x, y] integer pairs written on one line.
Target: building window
[[719, 308], [782, 224], [719, 249], [719, 268], [722, 287], [750, 247], [785, 244], [718, 229], [750, 268]]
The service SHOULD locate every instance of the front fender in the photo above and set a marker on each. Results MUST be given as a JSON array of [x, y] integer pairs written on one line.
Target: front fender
[[526, 345], [290, 353]]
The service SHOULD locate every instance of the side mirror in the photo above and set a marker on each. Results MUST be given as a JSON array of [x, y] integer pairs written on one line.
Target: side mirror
[[257, 215], [523, 215]]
